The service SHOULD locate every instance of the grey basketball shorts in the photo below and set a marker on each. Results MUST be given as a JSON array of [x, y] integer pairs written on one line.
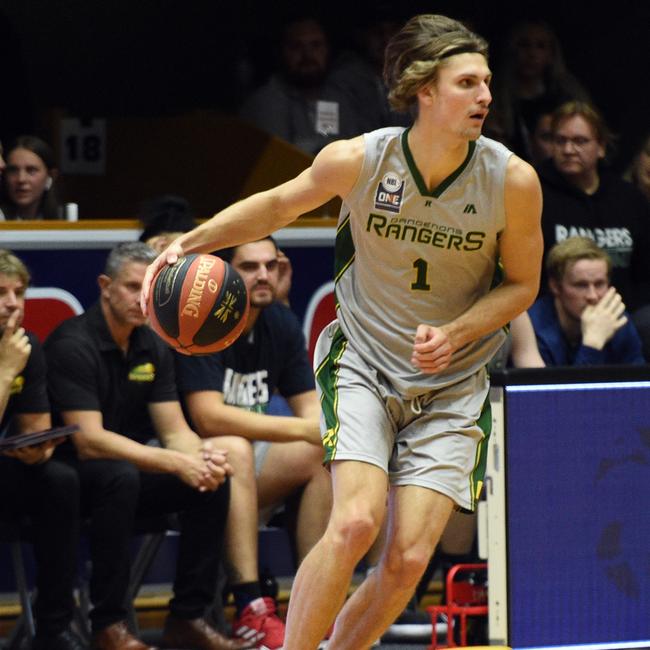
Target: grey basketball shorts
[[437, 440]]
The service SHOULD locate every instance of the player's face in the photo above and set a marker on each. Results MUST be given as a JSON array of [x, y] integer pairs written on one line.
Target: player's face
[[121, 294], [584, 283], [12, 298], [457, 102], [257, 263], [576, 150], [26, 177]]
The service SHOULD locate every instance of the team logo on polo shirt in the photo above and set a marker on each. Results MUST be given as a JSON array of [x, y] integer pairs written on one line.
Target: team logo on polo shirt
[[17, 385], [390, 192], [143, 372]]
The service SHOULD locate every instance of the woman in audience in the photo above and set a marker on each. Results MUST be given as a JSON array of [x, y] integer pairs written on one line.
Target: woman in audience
[[532, 79], [28, 184]]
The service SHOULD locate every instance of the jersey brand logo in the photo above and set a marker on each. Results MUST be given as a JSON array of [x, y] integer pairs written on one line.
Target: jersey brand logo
[[389, 193], [469, 209]]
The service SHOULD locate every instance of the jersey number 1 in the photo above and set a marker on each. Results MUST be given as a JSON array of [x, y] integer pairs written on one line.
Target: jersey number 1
[[422, 270]]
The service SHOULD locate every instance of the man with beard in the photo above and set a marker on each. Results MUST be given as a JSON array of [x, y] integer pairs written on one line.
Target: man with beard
[[301, 104], [227, 394]]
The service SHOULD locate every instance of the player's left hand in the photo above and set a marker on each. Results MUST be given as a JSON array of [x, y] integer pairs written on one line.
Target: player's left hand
[[431, 350]]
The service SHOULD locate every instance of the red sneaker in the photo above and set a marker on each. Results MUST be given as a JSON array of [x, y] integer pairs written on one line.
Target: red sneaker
[[260, 624]]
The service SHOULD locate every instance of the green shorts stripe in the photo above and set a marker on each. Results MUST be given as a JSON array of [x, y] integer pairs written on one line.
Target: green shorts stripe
[[327, 378], [480, 461]]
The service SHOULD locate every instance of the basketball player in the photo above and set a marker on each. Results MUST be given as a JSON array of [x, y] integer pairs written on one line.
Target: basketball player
[[426, 213]]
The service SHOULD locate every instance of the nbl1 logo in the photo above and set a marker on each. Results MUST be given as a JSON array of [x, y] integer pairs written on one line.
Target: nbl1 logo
[[390, 192]]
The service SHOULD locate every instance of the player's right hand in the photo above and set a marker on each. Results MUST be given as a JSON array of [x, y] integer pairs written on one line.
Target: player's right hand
[[601, 321], [169, 256], [15, 347]]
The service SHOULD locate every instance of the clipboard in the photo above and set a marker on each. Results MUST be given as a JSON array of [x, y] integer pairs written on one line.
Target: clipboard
[[36, 437]]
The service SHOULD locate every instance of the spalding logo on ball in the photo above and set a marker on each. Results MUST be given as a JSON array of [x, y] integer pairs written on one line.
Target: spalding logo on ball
[[199, 305]]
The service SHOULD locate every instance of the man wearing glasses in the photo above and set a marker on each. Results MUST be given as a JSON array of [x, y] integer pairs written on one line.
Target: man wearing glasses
[[582, 198]]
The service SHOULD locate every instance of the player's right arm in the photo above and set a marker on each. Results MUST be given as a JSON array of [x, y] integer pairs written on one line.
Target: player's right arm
[[212, 417], [333, 173]]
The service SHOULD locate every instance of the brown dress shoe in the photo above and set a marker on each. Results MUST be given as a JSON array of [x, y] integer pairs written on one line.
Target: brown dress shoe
[[118, 637], [197, 634]]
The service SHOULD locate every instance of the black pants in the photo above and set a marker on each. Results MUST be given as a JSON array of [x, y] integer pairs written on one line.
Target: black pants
[[49, 494], [115, 493]]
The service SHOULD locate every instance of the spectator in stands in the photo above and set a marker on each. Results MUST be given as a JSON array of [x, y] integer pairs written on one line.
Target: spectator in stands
[[28, 190], [31, 481], [583, 320], [541, 141], [360, 71], [582, 197], [227, 394], [638, 171], [301, 103], [531, 79], [111, 375], [163, 219]]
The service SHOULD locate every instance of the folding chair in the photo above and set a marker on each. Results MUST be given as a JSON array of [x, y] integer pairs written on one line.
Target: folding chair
[[464, 598]]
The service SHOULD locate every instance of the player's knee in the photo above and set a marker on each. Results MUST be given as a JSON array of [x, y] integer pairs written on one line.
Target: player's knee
[[355, 532], [407, 564]]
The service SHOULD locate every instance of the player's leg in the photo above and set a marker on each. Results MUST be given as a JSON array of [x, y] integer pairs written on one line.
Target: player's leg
[[322, 581], [417, 517], [438, 460], [294, 467]]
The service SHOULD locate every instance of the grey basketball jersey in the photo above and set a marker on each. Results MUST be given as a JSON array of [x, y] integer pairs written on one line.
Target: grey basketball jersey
[[406, 255]]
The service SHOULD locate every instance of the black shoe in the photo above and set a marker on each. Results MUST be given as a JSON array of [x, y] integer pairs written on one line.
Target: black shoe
[[66, 640]]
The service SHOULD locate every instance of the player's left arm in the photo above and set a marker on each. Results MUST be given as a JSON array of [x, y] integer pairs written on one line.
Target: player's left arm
[[520, 250]]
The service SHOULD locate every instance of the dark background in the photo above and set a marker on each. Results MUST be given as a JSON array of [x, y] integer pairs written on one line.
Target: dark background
[[157, 57]]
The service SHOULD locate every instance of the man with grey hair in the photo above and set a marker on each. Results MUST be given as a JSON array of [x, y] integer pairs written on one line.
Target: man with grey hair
[[113, 377]]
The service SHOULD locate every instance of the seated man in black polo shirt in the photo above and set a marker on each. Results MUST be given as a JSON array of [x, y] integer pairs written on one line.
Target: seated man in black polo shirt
[[111, 375], [33, 483], [227, 394]]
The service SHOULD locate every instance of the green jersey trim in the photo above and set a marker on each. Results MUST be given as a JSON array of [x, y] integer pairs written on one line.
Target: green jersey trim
[[343, 249], [417, 177]]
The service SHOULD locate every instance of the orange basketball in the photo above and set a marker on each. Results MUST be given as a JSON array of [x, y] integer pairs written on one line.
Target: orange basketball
[[199, 305]]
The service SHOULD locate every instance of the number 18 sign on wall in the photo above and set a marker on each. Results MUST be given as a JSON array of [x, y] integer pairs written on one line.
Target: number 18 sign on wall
[[83, 146]]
